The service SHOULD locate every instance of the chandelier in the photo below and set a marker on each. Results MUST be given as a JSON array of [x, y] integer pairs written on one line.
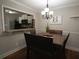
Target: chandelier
[[46, 13]]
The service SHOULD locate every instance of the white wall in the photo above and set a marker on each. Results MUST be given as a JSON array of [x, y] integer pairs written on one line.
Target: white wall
[[10, 43], [69, 25], [40, 24], [18, 6], [0, 16]]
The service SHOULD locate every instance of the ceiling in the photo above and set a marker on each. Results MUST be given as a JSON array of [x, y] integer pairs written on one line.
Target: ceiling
[[41, 4]]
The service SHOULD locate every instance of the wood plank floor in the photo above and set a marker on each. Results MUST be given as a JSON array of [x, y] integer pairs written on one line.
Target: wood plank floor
[[21, 54]]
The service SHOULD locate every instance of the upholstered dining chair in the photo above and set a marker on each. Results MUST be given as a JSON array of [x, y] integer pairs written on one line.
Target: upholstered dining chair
[[40, 47], [52, 31], [60, 49]]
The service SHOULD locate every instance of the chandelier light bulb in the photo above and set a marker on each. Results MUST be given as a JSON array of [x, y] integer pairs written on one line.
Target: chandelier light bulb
[[43, 12], [46, 9], [51, 13]]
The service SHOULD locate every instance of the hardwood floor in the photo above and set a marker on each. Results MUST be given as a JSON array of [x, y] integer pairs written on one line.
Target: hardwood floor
[[72, 54], [21, 54]]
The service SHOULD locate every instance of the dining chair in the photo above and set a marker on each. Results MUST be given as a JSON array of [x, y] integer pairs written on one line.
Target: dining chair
[[55, 31], [60, 49], [40, 47]]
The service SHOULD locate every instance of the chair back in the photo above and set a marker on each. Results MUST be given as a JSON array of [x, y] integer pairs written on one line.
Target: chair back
[[55, 31], [39, 44], [64, 44]]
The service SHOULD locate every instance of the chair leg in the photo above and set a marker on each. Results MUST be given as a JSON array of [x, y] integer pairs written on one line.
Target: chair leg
[[64, 55], [28, 53]]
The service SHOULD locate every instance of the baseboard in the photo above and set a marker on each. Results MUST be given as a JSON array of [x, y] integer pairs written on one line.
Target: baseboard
[[10, 52], [73, 49]]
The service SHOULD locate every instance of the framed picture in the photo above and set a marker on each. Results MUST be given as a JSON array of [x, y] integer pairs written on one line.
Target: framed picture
[[56, 20]]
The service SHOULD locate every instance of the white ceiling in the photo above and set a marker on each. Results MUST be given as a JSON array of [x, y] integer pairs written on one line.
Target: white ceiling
[[40, 4]]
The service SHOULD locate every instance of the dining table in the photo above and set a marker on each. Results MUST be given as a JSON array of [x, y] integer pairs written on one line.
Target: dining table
[[57, 38]]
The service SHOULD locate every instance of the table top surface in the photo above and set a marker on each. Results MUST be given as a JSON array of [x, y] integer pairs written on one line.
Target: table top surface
[[57, 38]]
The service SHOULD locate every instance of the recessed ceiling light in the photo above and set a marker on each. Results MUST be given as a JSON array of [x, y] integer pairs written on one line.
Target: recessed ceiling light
[[11, 12]]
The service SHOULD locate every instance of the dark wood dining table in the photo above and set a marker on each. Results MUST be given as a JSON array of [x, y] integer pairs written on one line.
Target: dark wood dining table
[[57, 38]]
